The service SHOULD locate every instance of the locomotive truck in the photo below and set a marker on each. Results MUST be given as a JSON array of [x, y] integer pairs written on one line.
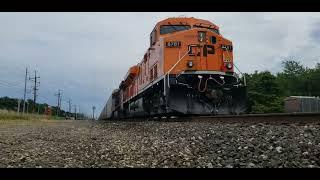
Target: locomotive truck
[[187, 70]]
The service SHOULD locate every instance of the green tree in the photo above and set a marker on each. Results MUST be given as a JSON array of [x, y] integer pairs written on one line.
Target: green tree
[[312, 81], [264, 93], [299, 80], [293, 68]]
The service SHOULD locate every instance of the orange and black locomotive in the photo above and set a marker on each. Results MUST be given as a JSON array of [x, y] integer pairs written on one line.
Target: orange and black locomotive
[[187, 70]]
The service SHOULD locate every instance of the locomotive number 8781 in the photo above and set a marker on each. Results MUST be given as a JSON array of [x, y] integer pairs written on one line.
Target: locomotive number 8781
[[187, 70]]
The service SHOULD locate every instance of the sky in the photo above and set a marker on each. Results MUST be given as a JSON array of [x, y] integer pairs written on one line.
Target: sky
[[86, 55]]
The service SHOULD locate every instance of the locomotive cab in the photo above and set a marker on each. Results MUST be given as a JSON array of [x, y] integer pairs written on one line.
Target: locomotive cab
[[199, 69]]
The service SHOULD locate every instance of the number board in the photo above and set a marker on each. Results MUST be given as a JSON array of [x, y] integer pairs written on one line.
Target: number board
[[226, 47], [173, 44]]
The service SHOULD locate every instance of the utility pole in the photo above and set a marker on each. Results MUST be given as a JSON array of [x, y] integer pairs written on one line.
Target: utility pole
[[27, 107], [75, 112], [93, 108], [59, 101], [36, 84], [79, 113], [39, 109], [19, 105], [69, 112], [69, 101], [25, 90]]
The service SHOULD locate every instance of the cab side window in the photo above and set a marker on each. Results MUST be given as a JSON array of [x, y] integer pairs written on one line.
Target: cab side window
[[153, 36], [151, 74], [155, 71]]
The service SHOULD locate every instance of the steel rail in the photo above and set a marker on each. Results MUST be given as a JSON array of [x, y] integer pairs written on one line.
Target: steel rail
[[256, 118]]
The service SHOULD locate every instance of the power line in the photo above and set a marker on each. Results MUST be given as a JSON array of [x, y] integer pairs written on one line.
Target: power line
[[17, 90], [43, 98], [17, 67], [14, 83], [8, 85]]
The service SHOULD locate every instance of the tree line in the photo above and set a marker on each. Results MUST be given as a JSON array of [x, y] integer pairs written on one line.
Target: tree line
[[11, 104], [267, 91]]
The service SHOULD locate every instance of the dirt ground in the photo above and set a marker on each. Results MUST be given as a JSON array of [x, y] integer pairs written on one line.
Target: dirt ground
[[158, 144]]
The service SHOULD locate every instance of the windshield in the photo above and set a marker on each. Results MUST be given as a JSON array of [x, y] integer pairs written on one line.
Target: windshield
[[165, 29], [211, 29]]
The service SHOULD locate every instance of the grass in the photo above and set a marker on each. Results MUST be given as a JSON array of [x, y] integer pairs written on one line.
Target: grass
[[10, 115]]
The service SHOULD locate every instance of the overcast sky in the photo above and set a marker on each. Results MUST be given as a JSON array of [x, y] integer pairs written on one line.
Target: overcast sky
[[87, 54]]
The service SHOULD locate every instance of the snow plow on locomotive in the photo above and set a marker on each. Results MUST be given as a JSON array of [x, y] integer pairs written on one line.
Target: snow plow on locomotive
[[187, 70]]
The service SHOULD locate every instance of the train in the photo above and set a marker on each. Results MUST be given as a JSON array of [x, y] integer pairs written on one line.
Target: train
[[188, 69]]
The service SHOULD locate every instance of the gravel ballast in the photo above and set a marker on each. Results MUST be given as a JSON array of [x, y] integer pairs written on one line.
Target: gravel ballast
[[159, 144]]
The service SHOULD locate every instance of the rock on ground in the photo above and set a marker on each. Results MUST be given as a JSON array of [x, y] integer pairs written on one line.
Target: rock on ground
[[159, 144]]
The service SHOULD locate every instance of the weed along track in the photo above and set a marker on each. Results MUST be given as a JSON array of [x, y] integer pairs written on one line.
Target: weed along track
[[160, 144]]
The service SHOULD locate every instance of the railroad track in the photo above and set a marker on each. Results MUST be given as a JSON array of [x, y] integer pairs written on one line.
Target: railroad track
[[255, 118]]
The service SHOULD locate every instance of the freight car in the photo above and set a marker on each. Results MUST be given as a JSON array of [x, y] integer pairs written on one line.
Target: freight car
[[294, 104], [187, 70]]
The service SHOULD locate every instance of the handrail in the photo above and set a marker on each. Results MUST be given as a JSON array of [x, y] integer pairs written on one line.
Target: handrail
[[175, 66], [244, 77]]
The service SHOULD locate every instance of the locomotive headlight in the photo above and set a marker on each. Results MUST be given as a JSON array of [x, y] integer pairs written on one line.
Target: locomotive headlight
[[190, 64], [229, 65], [201, 36]]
